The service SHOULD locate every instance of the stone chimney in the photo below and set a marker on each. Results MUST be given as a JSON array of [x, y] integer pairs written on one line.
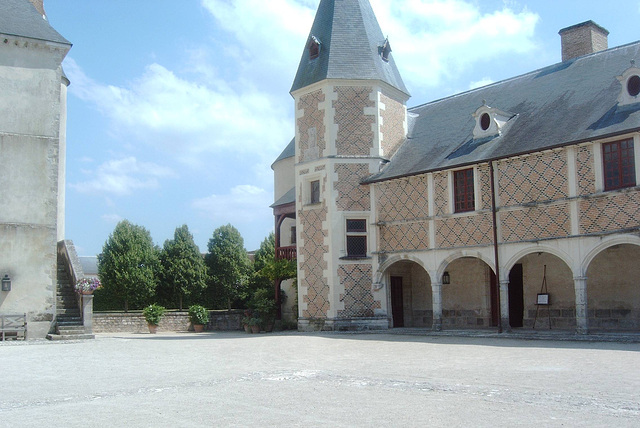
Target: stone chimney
[[38, 4], [583, 39]]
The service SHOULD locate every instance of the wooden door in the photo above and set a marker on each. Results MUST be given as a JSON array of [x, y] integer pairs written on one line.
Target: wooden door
[[397, 308], [516, 296]]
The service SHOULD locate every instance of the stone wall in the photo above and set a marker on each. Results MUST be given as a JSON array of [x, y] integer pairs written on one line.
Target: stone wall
[[133, 322]]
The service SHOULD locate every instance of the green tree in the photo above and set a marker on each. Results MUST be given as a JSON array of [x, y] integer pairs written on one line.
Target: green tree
[[128, 265], [229, 265], [183, 273]]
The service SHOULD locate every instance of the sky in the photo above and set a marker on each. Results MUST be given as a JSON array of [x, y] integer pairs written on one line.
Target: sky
[[177, 109]]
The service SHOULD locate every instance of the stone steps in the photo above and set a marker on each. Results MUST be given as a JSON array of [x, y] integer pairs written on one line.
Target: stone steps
[[70, 337], [69, 324]]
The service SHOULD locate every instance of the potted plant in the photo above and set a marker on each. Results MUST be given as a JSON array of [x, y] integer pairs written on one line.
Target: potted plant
[[246, 319], [264, 306], [199, 317], [87, 285], [153, 314], [254, 324]]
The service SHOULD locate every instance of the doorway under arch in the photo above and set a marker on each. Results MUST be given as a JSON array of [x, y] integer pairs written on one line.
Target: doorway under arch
[[613, 289], [526, 279], [409, 296]]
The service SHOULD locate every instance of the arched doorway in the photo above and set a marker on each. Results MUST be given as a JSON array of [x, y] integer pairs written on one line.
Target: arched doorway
[[613, 289], [410, 297], [470, 300], [526, 282]]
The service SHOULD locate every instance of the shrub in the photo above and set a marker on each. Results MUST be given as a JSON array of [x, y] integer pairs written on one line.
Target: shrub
[[198, 315], [153, 314]]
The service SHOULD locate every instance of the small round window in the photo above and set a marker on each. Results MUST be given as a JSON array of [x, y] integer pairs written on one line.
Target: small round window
[[633, 85], [485, 121]]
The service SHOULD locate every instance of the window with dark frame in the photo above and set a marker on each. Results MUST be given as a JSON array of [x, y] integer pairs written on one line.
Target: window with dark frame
[[618, 164], [356, 238], [293, 235], [315, 192], [463, 190]]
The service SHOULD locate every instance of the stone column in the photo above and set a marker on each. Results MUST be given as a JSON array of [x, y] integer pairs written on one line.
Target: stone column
[[504, 305], [436, 291], [87, 313], [582, 315]]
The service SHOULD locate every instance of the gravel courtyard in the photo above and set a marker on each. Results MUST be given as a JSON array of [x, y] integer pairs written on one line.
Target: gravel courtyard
[[331, 380]]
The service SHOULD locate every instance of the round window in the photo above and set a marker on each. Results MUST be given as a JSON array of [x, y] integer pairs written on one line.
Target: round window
[[485, 121], [633, 85]]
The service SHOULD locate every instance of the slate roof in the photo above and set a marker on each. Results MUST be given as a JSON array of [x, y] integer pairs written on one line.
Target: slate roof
[[287, 198], [566, 103], [350, 40], [288, 152], [20, 18], [89, 265]]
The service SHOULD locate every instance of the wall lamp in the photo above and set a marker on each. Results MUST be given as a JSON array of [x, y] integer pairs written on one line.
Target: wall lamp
[[446, 279], [6, 283]]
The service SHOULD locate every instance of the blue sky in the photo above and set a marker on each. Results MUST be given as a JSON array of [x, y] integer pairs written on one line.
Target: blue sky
[[177, 109]]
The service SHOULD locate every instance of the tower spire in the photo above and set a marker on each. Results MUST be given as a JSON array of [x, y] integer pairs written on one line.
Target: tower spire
[[346, 42]]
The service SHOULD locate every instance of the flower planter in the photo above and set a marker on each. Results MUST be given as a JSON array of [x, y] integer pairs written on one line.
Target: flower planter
[[255, 329], [198, 328], [247, 329], [153, 329]]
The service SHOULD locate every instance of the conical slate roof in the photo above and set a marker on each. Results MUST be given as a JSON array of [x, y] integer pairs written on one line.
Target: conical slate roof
[[350, 47], [20, 18]]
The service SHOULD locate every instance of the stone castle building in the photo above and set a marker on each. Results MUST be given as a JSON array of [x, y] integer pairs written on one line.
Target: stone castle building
[[512, 205], [33, 93]]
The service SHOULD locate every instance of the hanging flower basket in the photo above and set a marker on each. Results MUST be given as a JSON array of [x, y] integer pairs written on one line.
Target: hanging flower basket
[[87, 286]]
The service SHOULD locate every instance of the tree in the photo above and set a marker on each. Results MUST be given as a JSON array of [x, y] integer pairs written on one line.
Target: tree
[[128, 265], [228, 263], [183, 272]]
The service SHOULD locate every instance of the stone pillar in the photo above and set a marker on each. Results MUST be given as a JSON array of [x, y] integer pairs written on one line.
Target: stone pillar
[[436, 290], [582, 315], [504, 305], [87, 313]]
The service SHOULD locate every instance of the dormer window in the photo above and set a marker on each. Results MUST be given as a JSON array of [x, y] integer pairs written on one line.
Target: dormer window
[[314, 48], [489, 121], [385, 50], [630, 86]]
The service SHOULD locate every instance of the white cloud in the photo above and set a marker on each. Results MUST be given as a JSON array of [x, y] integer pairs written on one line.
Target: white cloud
[[480, 83], [188, 119], [433, 40], [123, 176], [243, 204], [112, 218]]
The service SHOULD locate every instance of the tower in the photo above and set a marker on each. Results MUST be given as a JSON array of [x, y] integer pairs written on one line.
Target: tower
[[350, 105]]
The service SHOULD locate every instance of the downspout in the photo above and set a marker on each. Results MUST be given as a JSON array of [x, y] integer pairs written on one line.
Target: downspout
[[495, 242]]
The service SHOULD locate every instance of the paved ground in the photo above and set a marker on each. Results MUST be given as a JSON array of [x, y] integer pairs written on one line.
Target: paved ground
[[332, 380]]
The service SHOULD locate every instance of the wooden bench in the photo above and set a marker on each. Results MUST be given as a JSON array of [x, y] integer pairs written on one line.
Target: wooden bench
[[13, 326]]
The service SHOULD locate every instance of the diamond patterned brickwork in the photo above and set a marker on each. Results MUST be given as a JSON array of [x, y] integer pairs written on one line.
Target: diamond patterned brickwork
[[464, 231], [613, 211], [358, 298], [355, 129], [402, 199], [311, 129], [484, 181], [538, 177], [351, 195], [404, 236], [312, 263], [585, 171], [440, 193], [392, 126], [551, 221]]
